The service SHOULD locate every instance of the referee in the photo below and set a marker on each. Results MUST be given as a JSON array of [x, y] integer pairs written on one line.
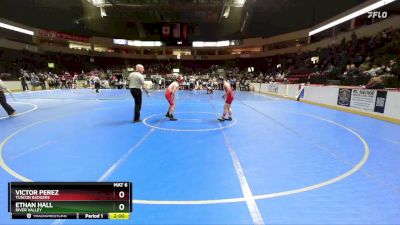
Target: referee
[[136, 84], [3, 101]]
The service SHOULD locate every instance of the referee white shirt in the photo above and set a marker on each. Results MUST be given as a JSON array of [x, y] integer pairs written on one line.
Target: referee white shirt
[[136, 80]]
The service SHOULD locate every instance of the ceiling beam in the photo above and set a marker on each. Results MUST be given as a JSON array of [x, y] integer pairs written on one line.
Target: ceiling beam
[[139, 25]]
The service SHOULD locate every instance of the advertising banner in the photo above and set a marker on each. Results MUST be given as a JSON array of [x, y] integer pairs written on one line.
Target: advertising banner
[[363, 99]]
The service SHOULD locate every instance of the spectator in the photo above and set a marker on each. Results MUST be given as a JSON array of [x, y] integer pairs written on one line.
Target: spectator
[[394, 68], [375, 70], [365, 66], [63, 82], [22, 78]]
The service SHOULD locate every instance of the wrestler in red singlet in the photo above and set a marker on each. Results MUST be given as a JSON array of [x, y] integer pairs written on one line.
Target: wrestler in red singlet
[[170, 96], [227, 114]]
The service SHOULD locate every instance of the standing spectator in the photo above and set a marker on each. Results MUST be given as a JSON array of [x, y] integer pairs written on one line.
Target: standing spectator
[[34, 81], [136, 84], [63, 82], [3, 101], [191, 83], [42, 80], [220, 83], [23, 80], [96, 81], [162, 83], [233, 83], [75, 81]]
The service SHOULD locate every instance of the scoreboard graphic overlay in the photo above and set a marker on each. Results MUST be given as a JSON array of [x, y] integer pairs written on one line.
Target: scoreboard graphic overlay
[[70, 200]]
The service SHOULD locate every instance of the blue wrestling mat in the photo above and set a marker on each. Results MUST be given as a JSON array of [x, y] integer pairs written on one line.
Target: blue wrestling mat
[[277, 162]]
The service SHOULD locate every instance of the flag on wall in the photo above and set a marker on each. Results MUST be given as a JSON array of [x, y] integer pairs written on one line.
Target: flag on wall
[[166, 31], [176, 31], [185, 32]]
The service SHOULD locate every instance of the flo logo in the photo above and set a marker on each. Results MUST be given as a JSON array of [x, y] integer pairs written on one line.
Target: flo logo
[[376, 14]]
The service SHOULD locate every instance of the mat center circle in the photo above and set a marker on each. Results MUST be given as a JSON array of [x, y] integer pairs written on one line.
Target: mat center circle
[[188, 122]]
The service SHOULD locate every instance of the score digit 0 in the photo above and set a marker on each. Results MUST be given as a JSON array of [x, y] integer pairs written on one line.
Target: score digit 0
[[121, 194]]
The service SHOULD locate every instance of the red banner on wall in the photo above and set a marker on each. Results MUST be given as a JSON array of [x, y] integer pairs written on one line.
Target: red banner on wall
[[63, 36]]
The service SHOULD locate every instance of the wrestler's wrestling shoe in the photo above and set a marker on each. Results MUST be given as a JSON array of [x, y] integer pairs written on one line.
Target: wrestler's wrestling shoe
[[223, 119], [172, 118]]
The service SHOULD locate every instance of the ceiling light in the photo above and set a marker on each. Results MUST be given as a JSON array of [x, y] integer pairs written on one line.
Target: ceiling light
[[17, 29], [227, 9], [239, 3], [351, 16], [103, 12]]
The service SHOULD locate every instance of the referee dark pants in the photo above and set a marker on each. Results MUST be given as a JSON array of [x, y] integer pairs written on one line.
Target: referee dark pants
[[137, 95], [6, 106]]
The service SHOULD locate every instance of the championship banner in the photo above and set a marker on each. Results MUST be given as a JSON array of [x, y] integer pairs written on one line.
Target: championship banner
[[60, 35]]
